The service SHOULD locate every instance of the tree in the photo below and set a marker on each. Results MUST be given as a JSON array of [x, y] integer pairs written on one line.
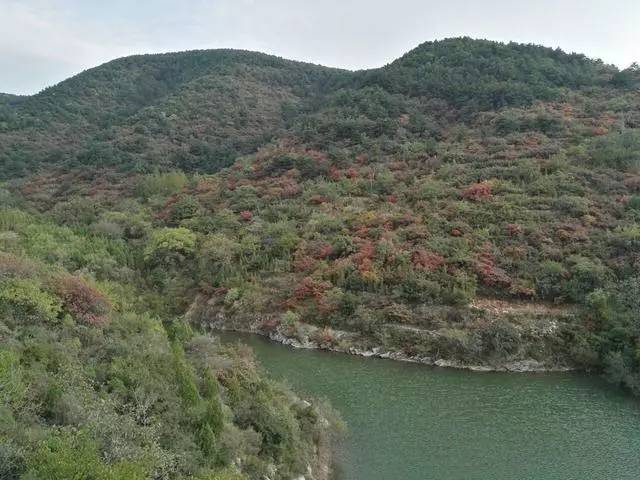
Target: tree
[[627, 78], [170, 246], [217, 258], [83, 301], [617, 150]]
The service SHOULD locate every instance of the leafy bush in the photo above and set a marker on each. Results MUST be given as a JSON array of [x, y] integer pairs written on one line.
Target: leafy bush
[[617, 150], [26, 301], [170, 245], [82, 301]]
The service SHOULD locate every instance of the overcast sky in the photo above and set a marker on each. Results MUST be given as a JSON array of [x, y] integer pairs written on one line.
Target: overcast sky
[[45, 41]]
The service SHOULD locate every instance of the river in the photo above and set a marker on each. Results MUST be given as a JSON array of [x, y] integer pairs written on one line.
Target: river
[[414, 422]]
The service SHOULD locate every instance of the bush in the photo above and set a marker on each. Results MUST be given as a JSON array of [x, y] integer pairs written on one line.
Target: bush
[[163, 184], [185, 377], [76, 456], [617, 150], [585, 276], [12, 388], [84, 302], [499, 337], [12, 463], [77, 211], [170, 245], [550, 279], [25, 300]]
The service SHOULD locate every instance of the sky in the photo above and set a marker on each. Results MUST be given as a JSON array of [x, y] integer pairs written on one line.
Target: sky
[[45, 41]]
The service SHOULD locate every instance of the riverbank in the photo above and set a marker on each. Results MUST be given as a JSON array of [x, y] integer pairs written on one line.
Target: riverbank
[[310, 337], [488, 336]]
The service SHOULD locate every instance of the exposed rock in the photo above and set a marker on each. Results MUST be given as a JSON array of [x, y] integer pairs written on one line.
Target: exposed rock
[[305, 332]]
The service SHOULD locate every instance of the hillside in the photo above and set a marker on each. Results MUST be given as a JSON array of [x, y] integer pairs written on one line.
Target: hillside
[[98, 381], [199, 107], [199, 110], [470, 204], [8, 97]]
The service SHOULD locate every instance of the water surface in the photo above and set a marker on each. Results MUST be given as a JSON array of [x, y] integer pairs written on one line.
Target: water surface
[[414, 422]]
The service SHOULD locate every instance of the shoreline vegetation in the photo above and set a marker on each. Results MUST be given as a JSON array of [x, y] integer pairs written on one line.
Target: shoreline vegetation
[[516, 366], [306, 336]]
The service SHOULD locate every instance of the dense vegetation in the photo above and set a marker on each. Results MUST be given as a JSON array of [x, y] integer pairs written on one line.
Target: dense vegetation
[[472, 201], [98, 381]]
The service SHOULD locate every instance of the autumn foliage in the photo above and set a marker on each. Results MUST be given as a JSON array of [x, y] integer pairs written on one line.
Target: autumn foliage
[[311, 288], [488, 271], [426, 261], [83, 301], [478, 192]]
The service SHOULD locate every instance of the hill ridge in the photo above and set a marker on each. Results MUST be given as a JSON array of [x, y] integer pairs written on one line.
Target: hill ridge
[[74, 117]]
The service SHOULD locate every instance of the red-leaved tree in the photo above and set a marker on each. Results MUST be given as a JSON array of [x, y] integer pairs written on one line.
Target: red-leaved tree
[[84, 302]]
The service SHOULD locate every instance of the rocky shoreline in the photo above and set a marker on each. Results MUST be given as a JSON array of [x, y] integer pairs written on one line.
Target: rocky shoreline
[[278, 335]]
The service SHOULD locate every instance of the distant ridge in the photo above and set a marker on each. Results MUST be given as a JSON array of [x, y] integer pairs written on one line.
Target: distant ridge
[[238, 100]]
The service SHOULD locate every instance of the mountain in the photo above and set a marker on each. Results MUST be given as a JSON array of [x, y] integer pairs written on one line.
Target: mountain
[[223, 102], [198, 110], [473, 204]]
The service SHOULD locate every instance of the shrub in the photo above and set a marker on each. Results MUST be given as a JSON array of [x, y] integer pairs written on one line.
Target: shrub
[[170, 244], [25, 300], [478, 192], [218, 258], [420, 287], [500, 337], [12, 463], [186, 380], [12, 266], [76, 456], [12, 388], [77, 211], [290, 318], [550, 279], [585, 276], [232, 296], [164, 184], [84, 302], [184, 208], [617, 150]]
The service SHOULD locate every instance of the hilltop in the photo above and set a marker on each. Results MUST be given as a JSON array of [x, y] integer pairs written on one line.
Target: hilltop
[[205, 106], [199, 110]]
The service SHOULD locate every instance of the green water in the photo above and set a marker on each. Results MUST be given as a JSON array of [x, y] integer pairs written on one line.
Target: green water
[[413, 422]]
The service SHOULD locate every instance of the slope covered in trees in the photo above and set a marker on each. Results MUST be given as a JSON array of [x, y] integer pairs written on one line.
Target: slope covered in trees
[[472, 202], [98, 380], [198, 108]]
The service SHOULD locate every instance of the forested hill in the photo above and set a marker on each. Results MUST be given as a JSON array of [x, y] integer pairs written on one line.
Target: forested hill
[[472, 204], [478, 75], [230, 101], [198, 110], [6, 97]]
